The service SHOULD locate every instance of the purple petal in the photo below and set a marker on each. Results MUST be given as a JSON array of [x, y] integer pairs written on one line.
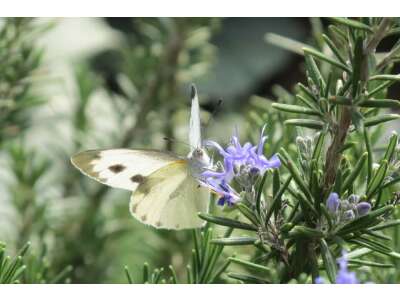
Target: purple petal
[[333, 202], [345, 277], [319, 280], [274, 162], [363, 208], [263, 138], [217, 146]]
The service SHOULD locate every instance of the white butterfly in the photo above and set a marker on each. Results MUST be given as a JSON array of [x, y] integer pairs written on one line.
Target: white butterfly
[[166, 193]]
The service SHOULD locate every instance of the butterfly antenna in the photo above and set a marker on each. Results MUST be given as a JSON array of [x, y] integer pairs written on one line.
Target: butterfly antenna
[[172, 140]]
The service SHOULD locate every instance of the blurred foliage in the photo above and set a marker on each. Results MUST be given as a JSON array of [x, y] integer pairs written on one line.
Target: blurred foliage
[[19, 60], [132, 94]]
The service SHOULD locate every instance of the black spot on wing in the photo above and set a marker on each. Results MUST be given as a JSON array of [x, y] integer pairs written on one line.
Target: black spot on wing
[[134, 207], [116, 168], [137, 178]]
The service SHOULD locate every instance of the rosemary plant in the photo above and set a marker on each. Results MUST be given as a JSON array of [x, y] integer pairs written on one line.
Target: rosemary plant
[[335, 191], [315, 202]]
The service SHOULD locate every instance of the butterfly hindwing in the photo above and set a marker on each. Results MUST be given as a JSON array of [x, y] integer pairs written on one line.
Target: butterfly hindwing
[[121, 168], [170, 198]]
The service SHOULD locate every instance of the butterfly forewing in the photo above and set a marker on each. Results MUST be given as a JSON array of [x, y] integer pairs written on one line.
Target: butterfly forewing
[[170, 198], [194, 124], [121, 168]]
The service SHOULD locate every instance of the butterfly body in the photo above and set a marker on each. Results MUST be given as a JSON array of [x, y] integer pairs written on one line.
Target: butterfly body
[[165, 189]]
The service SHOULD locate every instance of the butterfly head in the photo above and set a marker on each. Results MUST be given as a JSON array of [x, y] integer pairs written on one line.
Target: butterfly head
[[198, 161]]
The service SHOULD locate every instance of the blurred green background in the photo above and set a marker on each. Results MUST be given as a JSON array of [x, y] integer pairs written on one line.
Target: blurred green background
[[75, 84]]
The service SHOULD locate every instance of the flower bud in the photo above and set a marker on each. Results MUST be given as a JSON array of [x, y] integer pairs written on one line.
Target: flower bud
[[353, 199], [333, 202], [363, 208], [349, 215], [345, 205]]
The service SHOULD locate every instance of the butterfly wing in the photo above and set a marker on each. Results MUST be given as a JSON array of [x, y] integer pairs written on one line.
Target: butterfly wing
[[170, 198], [121, 168], [194, 125]]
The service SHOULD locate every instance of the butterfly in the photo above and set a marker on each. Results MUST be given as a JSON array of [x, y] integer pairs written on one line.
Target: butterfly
[[165, 188]]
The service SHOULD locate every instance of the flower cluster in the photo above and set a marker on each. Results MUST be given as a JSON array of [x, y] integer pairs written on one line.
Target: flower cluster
[[343, 276], [348, 209], [243, 164]]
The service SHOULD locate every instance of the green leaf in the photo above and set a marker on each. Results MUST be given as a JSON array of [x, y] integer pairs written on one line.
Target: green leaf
[[259, 193], [352, 23], [372, 246], [380, 103], [235, 241], [295, 109], [334, 49], [327, 215], [145, 272], [247, 278], [276, 182], [377, 179], [300, 231], [380, 88], [337, 33], [128, 275], [65, 272], [375, 234], [318, 147], [385, 77], [340, 100], [227, 222], [307, 92], [218, 273], [370, 154], [250, 265], [391, 147], [386, 225], [285, 43], [298, 178], [358, 58], [307, 102], [174, 277], [197, 251], [314, 72], [329, 261], [359, 252], [248, 213], [326, 58], [372, 121], [355, 172], [312, 124], [277, 199], [369, 263]]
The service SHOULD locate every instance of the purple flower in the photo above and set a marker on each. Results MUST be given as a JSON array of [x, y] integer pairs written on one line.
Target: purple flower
[[363, 208], [244, 164], [332, 203], [343, 276], [227, 194]]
